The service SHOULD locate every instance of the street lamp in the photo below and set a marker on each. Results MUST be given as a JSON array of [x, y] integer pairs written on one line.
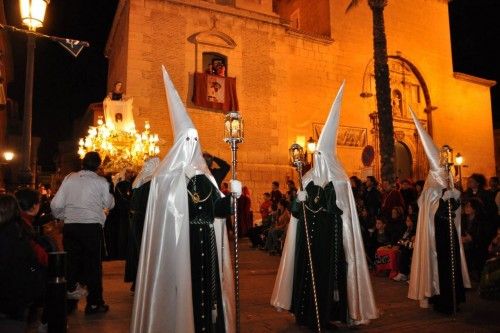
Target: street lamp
[[310, 149], [8, 156], [32, 15], [459, 160]]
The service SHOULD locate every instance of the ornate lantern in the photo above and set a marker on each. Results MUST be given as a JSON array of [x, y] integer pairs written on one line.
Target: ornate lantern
[[33, 13], [233, 127], [296, 153]]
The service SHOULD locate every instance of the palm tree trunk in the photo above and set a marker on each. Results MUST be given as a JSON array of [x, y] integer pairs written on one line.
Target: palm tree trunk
[[383, 89]]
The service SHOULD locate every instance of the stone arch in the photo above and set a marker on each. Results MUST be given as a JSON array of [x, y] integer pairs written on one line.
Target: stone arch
[[425, 90], [213, 37]]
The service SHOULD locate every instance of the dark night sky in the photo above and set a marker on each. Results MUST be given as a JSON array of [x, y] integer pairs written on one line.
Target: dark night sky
[[65, 86]]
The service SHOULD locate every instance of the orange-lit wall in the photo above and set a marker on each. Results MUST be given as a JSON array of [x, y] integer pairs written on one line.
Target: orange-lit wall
[[314, 15], [287, 81]]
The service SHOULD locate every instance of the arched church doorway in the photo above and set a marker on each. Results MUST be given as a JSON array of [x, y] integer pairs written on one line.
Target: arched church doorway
[[403, 165]]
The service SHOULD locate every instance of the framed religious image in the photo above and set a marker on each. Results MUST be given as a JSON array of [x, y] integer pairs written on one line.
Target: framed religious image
[[216, 89], [347, 136]]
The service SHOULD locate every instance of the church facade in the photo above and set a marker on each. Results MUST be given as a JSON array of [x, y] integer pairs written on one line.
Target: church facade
[[286, 59]]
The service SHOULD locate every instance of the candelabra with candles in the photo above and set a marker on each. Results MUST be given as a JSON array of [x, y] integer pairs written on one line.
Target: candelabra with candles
[[446, 161], [233, 134], [119, 149], [296, 153]]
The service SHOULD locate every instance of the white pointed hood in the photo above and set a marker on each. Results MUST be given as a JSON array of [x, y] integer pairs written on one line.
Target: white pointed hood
[[163, 297], [437, 175], [424, 273], [326, 165], [186, 150], [327, 168]]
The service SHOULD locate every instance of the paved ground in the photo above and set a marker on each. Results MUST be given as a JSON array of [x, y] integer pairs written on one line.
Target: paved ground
[[258, 271]]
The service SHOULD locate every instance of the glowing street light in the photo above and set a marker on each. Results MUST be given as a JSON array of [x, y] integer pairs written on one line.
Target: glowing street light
[[32, 15], [8, 156]]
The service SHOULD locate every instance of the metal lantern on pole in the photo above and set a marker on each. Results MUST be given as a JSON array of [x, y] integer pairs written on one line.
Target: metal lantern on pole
[[233, 134], [446, 161], [296, 153], [32, 15], [459, 160]]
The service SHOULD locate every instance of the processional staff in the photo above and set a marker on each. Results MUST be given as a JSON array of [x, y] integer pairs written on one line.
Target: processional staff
[[233, 134], [297, 160], [447, 163]]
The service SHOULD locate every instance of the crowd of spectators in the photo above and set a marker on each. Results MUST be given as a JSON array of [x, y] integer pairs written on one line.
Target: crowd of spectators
[[31, 227], [388, 215]]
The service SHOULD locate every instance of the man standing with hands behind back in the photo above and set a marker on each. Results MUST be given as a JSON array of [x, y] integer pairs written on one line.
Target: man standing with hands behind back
[[80, 202]]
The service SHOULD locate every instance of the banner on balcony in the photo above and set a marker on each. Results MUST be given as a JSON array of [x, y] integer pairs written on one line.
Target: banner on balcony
[[215, 92]]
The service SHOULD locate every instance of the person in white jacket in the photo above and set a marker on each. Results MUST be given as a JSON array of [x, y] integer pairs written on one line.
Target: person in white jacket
[[81, 202]]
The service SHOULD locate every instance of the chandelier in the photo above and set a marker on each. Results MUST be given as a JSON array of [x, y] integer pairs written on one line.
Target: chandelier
[[119, 148]]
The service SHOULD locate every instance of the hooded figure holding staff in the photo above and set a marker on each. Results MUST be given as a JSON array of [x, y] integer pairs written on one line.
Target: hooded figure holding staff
[[432, 277], [344, 291], [183, 283]]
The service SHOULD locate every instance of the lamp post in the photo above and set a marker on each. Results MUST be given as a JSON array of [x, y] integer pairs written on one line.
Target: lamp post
[[459, 160], [32, 15], [7, 157], [311, 148]]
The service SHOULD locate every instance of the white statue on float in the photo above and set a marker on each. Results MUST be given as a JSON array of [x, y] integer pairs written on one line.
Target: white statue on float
[[118, 113]]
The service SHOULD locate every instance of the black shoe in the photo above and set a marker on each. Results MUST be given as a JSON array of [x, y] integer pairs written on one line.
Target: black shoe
[[93, 309]]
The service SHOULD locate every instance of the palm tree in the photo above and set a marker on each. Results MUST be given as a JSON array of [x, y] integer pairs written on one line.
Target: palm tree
[[383, 87]]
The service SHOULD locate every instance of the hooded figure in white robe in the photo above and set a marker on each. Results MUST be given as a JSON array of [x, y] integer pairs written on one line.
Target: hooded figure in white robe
[[427, 266], [327, 175], [164, 288]]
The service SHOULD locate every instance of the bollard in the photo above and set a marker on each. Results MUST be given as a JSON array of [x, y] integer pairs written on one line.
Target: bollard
[[56, 293]]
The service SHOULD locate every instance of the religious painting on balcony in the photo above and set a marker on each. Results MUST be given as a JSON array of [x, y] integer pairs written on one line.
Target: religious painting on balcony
[[354, 137]]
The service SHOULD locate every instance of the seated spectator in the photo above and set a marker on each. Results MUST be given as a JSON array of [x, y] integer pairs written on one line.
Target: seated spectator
[[29, 202], [265, 206], [378, 238], [477, 231], [278, 230], [405, 247], [489, 286], [396, 223], [21, 279], [258, 234]]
